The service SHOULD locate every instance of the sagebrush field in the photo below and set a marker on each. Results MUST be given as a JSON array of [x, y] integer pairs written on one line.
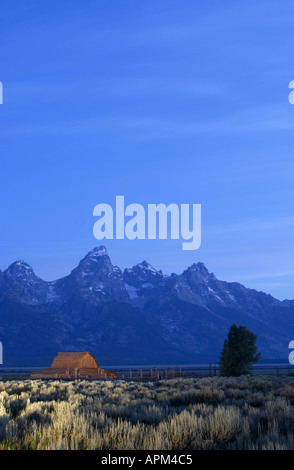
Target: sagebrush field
[[208, 413]]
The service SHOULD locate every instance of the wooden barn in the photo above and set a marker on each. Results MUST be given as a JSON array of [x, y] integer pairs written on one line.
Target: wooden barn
[[74, 365]]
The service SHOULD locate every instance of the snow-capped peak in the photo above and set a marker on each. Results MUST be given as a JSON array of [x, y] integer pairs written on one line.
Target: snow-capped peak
[[199, 267], [21, 264], [147, 267], [97, 252], [20, 269]]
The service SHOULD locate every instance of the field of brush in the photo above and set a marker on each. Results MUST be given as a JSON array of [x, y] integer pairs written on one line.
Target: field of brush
[[207, 413]]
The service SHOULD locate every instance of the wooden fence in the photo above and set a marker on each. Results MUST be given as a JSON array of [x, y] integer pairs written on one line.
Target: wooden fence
[[161, 373]]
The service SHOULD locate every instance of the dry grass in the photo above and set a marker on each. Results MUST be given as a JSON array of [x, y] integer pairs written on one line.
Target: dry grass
[[211, 413]]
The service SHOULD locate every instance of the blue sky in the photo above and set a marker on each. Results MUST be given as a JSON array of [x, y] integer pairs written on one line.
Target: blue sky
[[160, 101]]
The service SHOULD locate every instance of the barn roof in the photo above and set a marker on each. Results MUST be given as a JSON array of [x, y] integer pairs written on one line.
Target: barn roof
[[73, 365], [74, 359]]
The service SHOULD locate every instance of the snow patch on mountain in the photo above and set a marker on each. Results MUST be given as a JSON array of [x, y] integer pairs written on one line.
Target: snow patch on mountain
[[52, 296], [147, 285], [132, 291], [99, 287], [215, 294]]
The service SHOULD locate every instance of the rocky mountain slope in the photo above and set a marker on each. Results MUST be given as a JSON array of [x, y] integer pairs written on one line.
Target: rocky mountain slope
[[135, 316]]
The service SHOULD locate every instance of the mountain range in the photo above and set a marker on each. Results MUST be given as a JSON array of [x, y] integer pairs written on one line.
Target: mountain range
[[135, 316]]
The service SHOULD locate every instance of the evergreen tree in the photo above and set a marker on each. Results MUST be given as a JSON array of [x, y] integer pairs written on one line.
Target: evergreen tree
[[239, 352]]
